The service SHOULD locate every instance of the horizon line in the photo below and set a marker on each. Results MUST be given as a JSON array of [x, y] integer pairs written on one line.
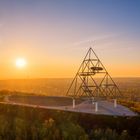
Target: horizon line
[[37, 78]]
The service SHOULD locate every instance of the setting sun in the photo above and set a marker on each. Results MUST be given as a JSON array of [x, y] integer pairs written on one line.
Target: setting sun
[[21, 62]]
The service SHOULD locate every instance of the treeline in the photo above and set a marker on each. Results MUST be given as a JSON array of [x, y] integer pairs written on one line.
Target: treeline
[[133, 105], [14, 92], [25, 123]]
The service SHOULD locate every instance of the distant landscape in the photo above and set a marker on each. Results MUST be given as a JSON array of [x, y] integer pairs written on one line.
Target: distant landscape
[[130, 87]]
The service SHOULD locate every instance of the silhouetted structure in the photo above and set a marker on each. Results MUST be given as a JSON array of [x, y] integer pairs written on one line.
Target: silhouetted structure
[[93, 80]]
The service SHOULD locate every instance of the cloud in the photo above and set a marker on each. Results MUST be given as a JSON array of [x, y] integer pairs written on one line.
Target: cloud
[[96, 40], [106, 42]]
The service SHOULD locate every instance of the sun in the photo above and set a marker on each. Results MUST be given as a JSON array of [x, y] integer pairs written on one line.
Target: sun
[[21, 62]]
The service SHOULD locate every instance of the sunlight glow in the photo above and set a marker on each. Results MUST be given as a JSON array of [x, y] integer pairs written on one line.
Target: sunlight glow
[[20, 62]]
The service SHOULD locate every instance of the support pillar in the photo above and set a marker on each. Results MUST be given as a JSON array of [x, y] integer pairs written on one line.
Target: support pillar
[[73, 103], [96, 106], [92, 100], [115, 103]]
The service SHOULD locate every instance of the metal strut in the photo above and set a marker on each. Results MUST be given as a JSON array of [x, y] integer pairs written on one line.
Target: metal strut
[[85, 83]]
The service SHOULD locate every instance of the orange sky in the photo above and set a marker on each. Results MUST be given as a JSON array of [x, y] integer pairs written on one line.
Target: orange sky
[[39, 65], [54, 37]]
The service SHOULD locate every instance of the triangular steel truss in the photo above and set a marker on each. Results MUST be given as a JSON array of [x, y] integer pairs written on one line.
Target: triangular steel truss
[[93, 80]]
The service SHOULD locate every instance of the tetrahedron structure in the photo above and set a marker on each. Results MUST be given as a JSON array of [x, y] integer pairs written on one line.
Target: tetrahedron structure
[[93, 80]]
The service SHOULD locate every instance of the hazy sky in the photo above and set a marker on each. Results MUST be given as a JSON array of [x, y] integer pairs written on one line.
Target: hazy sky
[[54, 35]]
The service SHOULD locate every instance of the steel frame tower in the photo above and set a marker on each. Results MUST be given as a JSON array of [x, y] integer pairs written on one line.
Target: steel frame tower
[[86, 84]]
